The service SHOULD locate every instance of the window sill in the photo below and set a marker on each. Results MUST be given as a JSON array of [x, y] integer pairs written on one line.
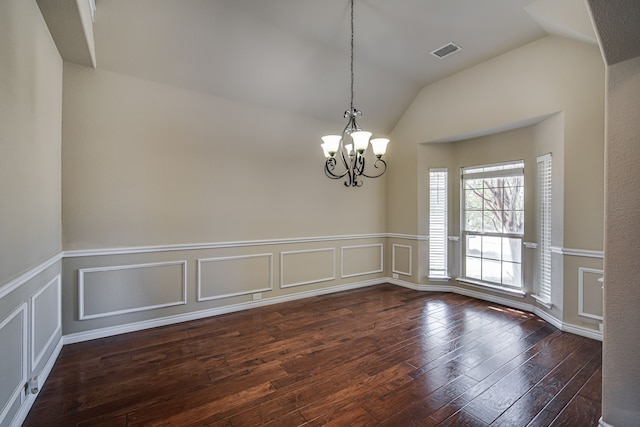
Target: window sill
[[439, 278], [499, 289], [542, 301]]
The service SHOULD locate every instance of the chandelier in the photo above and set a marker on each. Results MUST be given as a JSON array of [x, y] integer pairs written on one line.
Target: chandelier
[[352, 156]]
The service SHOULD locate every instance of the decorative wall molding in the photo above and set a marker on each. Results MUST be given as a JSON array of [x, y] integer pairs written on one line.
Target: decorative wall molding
[[28, 275], [201, 246], [81, 289], [577, 252], [307, 282], [393, 259], [195, 315], [199, 274], [406, 236], [36, 356], [380, 269], [581, 272], [17, 394], [21, 415]]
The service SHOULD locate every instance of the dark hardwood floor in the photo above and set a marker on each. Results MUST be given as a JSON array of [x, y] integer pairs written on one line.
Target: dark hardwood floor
[[384, 356]]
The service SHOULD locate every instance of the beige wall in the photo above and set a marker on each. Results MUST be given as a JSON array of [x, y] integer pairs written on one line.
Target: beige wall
[[30, 112], [621, 366], [240, 187], [616, 22], [544, 77], [30, 200], [526, 144], [554, 86], [147, 164]]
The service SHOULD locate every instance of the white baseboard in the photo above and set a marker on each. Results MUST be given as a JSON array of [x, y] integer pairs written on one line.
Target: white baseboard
[[601, 423], [170, 320], [579, 330], [21, 415], [430, 288], [531, 308]]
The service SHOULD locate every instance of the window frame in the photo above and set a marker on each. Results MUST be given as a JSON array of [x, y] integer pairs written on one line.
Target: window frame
[[490, 171]]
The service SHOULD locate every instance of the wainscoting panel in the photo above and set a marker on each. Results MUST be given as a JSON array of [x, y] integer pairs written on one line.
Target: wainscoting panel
[[590, 293], [13, 359], [401, 259], [362, 260], [110, 291], [230, 276], [305, 267], [45, 319]]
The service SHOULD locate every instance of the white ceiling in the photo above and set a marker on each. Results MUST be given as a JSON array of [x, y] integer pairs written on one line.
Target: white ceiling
[[294, 54]]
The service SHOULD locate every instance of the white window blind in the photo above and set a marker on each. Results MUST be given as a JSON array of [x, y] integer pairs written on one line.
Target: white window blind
[[544, 228], [438, 223]]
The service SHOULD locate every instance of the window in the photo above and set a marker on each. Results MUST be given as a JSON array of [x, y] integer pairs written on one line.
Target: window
[[493, 223], [543, 290], [438, 224]]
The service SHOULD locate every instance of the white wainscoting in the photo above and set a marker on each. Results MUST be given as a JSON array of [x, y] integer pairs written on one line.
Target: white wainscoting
[[219, 245], [24, 278], [577, 252], [323, 262], [233, 276], [133, 286], [402, 253], [361, 260], [13, 358], [44, 320], [589, 287]]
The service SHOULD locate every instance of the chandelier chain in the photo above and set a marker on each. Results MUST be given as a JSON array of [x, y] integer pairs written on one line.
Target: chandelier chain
[[352, 56]]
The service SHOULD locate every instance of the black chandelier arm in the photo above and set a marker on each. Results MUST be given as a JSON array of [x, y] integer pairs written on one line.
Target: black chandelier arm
[[354, 182], [375, 164], [330, 166], [358, 164]]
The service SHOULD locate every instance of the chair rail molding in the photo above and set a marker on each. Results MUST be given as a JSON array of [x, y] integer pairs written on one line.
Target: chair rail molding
[[577, 252]]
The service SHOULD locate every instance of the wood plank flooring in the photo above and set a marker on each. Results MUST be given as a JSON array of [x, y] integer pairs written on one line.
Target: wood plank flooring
[[378, 356]]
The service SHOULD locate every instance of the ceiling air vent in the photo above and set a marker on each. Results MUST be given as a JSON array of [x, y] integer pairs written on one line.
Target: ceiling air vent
[[446, 50]]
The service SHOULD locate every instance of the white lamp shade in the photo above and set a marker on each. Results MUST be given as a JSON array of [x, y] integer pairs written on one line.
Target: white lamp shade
[[324, 149], [379, 146], [349, 148], [331, 144], [361, 140]]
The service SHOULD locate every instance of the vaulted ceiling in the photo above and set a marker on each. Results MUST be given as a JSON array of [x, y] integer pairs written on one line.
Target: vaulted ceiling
[[294, 54]]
